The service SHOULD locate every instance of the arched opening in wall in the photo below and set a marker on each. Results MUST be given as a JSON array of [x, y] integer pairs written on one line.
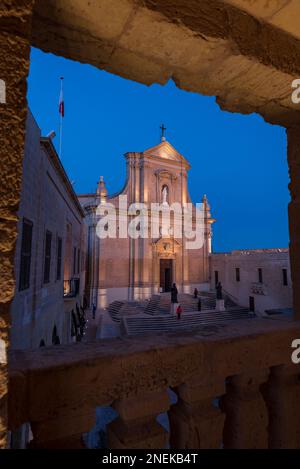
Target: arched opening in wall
[[242, 199], [200, 154], [42, 343], [211, 157]]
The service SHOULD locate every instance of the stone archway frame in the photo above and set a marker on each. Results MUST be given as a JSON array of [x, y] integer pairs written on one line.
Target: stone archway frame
[[165, 248]]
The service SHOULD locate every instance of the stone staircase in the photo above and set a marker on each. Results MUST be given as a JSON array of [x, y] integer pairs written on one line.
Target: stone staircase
[[114, 310], [160, 324], [153, 305], [160, 305], [118, 309]]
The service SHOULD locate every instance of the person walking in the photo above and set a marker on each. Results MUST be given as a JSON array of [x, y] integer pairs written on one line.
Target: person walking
[[179, 311], [219, 291], [199, 304], [174, 298], [196, 293]]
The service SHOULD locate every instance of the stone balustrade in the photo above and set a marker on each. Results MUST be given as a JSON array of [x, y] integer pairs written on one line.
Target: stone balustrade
[[236, 387]]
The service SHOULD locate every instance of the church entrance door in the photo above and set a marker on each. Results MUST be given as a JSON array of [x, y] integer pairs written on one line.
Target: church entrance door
[[166, 269]]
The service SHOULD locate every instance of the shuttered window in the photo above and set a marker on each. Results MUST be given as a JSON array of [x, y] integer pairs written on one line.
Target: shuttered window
[[59, 252], [25, 262], [47, 263]]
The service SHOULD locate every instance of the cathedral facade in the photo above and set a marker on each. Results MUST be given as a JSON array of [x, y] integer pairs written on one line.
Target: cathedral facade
[[136, 267]]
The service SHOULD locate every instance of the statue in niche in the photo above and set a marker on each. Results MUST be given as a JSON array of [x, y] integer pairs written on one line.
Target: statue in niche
[[165, 195]]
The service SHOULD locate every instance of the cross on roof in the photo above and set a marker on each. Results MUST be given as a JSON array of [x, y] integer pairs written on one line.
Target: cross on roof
[[163, 132]]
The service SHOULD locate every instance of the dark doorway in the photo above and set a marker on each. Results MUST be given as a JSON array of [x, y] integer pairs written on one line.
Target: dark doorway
[[216, 277], [55, 337], [166, 274], [251, 304]]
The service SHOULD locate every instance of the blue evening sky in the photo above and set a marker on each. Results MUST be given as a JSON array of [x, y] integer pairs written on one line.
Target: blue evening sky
[[238, 161]]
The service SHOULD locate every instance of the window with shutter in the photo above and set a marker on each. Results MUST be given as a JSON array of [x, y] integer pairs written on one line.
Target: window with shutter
[[25, 262], [47, 263]]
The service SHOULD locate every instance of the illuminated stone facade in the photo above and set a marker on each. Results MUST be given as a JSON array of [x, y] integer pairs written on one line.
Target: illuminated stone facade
[[126, 268]]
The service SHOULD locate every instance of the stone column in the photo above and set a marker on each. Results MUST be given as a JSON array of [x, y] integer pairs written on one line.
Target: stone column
[[195, 420], [136, 427], [282, 394], [246, 423], [293, 136], [15, 31]]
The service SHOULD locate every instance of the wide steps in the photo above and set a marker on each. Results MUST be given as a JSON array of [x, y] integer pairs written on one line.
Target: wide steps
[[138, 325], [114, 310]]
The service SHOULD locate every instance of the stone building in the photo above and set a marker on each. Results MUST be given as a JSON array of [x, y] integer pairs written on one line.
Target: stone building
[[239, 51], [259, 279], [127, 268], [49, 259]]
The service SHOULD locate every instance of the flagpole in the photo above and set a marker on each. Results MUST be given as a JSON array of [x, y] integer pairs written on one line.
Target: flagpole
[[61, 120]]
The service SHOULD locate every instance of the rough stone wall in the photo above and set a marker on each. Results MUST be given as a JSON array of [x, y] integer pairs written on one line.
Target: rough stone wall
[[293, 135], [245, 61], [49, 382], [209, 47], [15, 24]]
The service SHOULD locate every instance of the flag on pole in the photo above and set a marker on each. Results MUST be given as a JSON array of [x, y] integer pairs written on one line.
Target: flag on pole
[[61, 101]]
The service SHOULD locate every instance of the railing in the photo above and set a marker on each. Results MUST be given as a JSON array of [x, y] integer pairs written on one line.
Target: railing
[[233, 298], [236, 388], [71, 287]]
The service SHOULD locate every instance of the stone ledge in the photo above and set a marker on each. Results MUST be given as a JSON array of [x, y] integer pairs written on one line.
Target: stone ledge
[[97, 373]]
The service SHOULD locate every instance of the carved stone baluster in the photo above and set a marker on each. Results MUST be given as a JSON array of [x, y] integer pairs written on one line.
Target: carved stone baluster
[[136, 427], [63, 431], [246, 423], [282, 394], [195, 422]]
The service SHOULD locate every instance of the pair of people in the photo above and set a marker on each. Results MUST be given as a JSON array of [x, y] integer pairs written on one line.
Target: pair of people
[[174, 300]]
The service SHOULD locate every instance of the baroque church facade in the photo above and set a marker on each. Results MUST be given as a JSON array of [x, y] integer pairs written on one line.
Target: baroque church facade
[[124, 268]]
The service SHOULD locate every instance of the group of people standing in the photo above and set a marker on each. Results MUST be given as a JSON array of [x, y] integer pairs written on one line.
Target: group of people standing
[[174, 300]]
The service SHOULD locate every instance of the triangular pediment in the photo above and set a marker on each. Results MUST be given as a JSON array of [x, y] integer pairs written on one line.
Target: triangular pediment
[[166, 151]]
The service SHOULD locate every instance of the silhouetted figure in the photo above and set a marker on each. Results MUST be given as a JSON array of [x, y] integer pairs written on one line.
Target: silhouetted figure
[[82, 312], [219, 291], [174, 293], [196, 293], [84, 302], [199, 304], [179, 311], [56, 340], [78, 317], [94, 311], [74, 330]]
